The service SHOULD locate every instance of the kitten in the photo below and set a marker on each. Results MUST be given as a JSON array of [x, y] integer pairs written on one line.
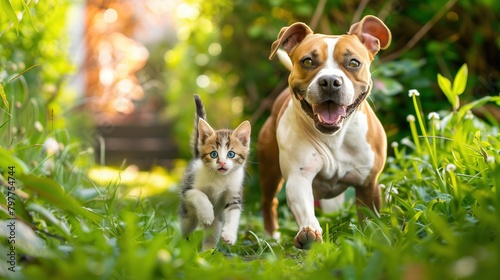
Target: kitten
[[212, 187]]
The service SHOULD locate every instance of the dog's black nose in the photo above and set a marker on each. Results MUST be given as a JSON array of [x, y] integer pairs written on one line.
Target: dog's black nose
[[330, 83]]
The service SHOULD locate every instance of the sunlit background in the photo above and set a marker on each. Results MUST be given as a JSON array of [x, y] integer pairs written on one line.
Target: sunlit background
[[127, 47], [125, 71]]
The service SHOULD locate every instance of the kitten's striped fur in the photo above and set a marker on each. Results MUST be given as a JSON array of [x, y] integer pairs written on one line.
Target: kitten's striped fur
[[212, 187]]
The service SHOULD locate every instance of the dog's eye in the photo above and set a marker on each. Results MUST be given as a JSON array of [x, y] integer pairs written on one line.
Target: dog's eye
[[307, 62], [354, 63]]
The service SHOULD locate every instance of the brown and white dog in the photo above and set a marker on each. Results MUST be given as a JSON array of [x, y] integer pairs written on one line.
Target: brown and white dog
[[322, 136]]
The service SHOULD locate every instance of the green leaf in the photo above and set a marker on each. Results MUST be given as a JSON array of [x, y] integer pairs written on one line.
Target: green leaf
[[53, 193], [10, 160], [49, 217], [477, 103], [19, 209], [4, 98], [9, 12], [445, 86], [3, 199], [28, 12], [442, 227], [388, 86], [496, 183], [4, 214], [26, 239], [460, 80]]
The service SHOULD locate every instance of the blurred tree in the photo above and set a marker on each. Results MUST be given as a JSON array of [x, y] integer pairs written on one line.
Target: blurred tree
[[112, 58], [194, 66]]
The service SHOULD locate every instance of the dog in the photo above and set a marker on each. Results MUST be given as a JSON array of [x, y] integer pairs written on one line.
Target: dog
[[322, 135]]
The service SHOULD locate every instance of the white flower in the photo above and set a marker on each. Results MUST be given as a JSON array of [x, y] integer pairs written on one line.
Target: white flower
[[464, 267], [413, 92], [389, 192], [48, 166], [410, 118], [433, 116], [469, 115], [394, 144], [38, 126], [50, 146], [490, 159], [451, 167], [163, 256], [407, 142]]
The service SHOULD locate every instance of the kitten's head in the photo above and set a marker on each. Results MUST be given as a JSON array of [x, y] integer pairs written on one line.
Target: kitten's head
[[223, 151]]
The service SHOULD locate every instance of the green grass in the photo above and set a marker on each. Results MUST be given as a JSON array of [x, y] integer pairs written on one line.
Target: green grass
[[78, 221]]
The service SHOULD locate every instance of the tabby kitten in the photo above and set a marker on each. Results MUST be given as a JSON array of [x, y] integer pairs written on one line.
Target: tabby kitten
[[212, 187]]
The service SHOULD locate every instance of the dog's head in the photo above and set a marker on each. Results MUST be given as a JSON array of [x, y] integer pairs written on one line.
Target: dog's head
[[330, 75]]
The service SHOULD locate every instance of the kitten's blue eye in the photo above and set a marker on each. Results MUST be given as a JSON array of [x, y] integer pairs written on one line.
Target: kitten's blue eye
[[231, 154], [214, 154]]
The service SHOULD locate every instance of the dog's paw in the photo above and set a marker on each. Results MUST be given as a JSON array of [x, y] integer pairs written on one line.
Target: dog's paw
[[228, 238], [306, 237], [206, 218]]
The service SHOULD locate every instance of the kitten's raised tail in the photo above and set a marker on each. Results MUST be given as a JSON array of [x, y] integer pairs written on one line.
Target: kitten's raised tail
[[199, 114], [200, 109]]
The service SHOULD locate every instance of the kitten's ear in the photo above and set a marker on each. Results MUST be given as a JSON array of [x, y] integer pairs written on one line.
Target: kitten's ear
[[204, 130], [242, 132]]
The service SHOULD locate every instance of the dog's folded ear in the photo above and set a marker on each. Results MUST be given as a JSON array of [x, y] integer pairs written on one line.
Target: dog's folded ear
[[373, 33], [289, 37]]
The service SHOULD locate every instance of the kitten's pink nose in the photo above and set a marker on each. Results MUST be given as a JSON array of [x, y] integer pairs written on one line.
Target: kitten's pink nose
[[222, 163]]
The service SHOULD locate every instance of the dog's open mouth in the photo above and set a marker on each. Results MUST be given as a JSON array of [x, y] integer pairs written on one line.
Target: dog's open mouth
[[329, 113]]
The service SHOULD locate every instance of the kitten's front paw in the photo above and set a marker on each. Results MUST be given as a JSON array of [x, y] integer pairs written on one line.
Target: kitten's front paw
[[229, 238], [206, 218]]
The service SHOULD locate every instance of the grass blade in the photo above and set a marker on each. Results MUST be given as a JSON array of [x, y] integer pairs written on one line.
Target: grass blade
[[4, 98], [9, 12], [28, 12], [22, 73], [59, 224], [52, 192], [9, 160]]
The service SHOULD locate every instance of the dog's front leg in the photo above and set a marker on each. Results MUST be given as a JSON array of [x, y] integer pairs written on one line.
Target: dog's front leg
[[300, 199]]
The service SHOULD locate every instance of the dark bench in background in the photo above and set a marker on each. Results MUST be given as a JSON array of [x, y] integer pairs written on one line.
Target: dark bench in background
[[144, 145]]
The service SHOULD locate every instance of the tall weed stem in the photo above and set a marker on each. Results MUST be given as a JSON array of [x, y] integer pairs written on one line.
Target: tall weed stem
[[414, 133], [424, 131], [450, 169], [434, 122], [413, 94]]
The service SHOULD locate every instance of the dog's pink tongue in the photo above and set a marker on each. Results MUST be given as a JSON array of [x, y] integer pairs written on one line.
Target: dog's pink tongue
[[330, 112]]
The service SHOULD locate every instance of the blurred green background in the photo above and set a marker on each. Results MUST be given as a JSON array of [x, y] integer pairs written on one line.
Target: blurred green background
[[219, 50]]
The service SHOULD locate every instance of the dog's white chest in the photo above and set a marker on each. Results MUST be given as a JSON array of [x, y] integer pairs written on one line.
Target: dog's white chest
[[332, 162], [348, 156]]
